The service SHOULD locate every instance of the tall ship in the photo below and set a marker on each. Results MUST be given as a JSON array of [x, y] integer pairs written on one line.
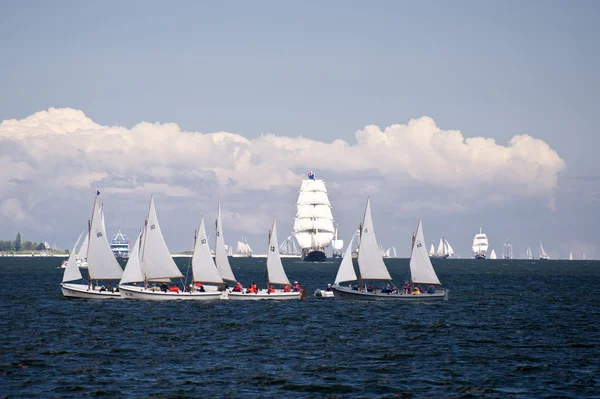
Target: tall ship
[[313, 224], [243, 248], [120, 245], [480, 245]]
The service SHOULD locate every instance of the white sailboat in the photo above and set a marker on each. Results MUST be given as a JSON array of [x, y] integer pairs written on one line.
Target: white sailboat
[[151, 265], [337, 245], [275, 275], [529, 254], [480, 245], [243, 249], [289, 249], [444, 250], [543, 254], [493, 255], [372, 267], [102, 265], [345, 273], [570, 255], [313, 224], [508, 250], [221, 259]]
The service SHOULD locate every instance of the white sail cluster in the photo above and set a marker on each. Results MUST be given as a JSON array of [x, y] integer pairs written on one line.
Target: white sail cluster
[[313, 224], [243, 248]]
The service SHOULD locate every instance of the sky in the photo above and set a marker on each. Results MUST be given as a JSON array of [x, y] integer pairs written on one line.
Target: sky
[[465, 114]]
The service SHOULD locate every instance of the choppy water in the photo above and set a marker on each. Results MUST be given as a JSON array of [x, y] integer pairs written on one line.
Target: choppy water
[[516, 329]]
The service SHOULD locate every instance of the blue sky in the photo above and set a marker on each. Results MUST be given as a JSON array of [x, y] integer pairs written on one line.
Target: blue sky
[[324, 70]]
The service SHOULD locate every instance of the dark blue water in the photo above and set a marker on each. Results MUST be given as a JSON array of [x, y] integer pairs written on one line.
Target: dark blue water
[[516, 329]]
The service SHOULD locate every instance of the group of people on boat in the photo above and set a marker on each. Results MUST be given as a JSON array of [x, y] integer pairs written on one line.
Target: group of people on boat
[[390, 288], [253, 288]]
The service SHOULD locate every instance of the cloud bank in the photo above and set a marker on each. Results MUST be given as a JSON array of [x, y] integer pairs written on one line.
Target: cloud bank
[[63, 151]]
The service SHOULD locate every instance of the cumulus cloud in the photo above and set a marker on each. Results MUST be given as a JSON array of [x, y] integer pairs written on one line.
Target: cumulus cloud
[[63, 151]]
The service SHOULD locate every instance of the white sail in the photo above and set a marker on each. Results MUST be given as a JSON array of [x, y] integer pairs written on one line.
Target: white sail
[[103, 221], [543, 254], [82, 253], [529, 254], [274, 266], [441, 251], [157, 262], [449, 249], [370, 261], [203, 266], [221, 259], [346, 271], [570, 255], [421, 269], [72, 272], [480, 243], [432, 250], [102, 264], [313, 214], [493, 255], [133, 269], [394, 252]]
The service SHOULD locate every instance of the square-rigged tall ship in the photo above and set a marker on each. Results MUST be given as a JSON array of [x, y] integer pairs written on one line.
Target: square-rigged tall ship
[[313, 224]]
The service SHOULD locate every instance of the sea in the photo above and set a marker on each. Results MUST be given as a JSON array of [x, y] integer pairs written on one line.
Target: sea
[[510, 329]]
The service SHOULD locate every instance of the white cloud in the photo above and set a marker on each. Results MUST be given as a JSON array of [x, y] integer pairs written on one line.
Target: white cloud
[[63, 153]]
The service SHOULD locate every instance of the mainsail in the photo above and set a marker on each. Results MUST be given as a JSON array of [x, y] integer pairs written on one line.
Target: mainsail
[[274, 266], [493, 255], [313, 224], [370, 261], [221, 259], [156, 260], [203, 266], [421, 269], [102, 264]]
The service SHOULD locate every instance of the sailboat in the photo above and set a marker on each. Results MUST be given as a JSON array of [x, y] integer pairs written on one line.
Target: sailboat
[[313, 224], [372, 267], [221, 259], [275, 275], [444, 250], [529, 254], [570, 255], [432, 251], [150, 263], [345, 273], [480, 245], [337, 245], [102, 264], [543, 254], [243, 249], [493, 255], [508, 250]]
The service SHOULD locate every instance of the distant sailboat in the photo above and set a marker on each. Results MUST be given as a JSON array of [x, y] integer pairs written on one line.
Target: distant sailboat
[[543, 254], [570, 255], [337, 245], [243, 248], [529, 254], [508, 250], [444, 250], [493, 255]]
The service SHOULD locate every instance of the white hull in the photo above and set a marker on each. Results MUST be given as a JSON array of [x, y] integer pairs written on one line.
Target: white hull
[[323, 294], [139, 292], [345, 293], [264, 295], [84, 291]]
